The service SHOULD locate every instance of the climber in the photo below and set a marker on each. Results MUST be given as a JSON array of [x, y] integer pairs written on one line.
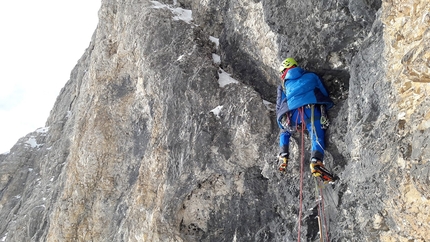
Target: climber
[[302, 96]]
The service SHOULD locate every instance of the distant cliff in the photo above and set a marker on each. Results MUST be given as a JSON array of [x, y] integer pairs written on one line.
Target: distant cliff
[[145, 144]]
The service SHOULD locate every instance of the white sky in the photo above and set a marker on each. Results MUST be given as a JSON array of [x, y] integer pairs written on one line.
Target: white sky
[[41, 41]]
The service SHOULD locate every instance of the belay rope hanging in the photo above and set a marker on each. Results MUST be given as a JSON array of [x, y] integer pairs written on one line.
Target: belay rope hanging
[[319, 198], [318, 189], [301, 113]]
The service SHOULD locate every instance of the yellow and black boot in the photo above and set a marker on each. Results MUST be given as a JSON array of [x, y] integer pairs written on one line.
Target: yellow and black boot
[[318, 170], [283, 162]]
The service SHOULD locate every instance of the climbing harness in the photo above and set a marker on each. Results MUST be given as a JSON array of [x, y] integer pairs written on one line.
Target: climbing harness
[[287, 124], [292, 128]]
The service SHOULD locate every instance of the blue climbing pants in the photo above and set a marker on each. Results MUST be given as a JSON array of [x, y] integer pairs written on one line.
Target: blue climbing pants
[[316, 133]]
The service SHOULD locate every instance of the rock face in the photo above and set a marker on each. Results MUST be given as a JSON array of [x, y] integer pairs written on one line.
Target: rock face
[[143, 144]]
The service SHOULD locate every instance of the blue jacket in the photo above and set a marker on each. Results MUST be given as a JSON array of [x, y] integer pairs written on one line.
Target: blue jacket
[[301, 88]]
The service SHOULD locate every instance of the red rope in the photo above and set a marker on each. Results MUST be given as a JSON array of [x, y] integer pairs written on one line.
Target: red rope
[[301, 170]]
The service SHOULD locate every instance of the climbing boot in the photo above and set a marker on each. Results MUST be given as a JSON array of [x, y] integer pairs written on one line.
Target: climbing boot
[[318, 170], [283, 162]]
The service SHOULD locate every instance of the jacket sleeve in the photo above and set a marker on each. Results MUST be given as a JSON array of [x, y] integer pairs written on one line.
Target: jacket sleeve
[[321, 87], [279, 98], [326, 99]]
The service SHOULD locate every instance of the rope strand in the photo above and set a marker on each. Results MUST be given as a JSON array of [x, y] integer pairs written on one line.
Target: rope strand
[[323, 212], [314, 131], [301, 169], [320, 198]]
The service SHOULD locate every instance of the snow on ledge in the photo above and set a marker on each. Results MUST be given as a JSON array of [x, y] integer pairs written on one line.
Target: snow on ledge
[[214, 40], [32, 142], [4, 237], [179, 13], [269, 106], [216, 111], [43, 130], [225, 79], [216, 58]]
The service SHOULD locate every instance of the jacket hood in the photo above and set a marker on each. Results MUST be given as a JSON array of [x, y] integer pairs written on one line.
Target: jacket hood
[[295, 73]]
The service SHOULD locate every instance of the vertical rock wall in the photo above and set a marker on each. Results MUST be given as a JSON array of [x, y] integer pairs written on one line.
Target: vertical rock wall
[[143, 144], [407, 51]]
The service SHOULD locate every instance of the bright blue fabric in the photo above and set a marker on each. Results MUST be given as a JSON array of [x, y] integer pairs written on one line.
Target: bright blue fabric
[[318, 140], [300, 88]]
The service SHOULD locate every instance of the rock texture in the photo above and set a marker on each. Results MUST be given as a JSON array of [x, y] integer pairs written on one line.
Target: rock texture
[[143, 144]]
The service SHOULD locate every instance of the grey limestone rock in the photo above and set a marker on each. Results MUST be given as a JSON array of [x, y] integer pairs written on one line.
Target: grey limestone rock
[[144, 144]]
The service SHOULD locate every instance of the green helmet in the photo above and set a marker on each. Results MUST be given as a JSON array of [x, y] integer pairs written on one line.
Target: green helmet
[[287, 63]]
